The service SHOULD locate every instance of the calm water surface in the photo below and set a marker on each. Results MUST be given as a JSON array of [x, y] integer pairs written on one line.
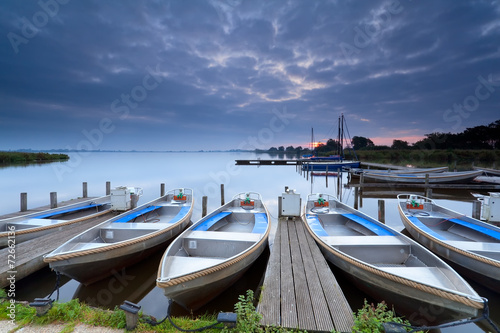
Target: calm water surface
[[203, 172]]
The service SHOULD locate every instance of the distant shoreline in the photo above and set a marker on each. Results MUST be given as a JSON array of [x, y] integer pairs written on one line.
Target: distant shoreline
[[19, 158]]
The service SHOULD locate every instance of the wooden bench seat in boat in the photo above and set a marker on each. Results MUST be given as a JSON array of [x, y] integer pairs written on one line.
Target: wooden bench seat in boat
[[219, 244], [178, 265], [117, 232], [130, 216]]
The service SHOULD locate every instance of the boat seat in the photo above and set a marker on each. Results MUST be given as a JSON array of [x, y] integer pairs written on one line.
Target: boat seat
[[432, 276], [132, 215], [363, 240], [118, 232], [492, 233], [177, 265], [69, 210], [260, 226], [181, 214], [315, 225], [476, 246], [424, 228], [218, 244], [369, 225], [205, 225]]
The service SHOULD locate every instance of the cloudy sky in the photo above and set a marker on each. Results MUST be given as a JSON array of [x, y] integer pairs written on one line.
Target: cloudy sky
[[224, 74]]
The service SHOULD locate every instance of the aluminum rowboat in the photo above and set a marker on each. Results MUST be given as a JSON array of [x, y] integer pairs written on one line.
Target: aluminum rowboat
[[471, 245], [389, 266], [123, 240], [418, 178], [215, 251], [37, 224]]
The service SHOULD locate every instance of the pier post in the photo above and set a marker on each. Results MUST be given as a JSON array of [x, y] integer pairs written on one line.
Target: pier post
[[356, 196], [476, 209], [381, 211], [53, 199], [24, 201], [108, 188], [85, 193], [428, 193], [361, 181], [204, 203], [222, 201], [326, 176], [162, 189]]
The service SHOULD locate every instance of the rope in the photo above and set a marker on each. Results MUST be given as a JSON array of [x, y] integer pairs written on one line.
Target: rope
[[398, 279], [213, 269], [118, 245], [56, 225]]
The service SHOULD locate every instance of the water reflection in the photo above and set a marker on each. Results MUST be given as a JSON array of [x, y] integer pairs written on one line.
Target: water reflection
[[203, 172]]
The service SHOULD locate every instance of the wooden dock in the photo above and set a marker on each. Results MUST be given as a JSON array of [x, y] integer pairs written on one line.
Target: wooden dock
[[29, 254], [300, 291], [268, 162]]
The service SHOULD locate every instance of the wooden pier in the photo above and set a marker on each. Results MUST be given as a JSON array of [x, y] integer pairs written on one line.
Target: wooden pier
[[268, 162], [29, 254], [300, 291]]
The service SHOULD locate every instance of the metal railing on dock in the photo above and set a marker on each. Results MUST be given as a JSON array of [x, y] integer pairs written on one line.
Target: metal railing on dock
[[300, 291]]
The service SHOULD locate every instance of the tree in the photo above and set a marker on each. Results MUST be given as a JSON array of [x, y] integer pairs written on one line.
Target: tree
[[359, 142], [400, 144], [281, 148]]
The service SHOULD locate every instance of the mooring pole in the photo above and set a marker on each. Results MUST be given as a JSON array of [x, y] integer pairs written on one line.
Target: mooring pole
[[108, 188], [222, 201], [84, 190], [162, 189], [53, 199], [24, 201], [204, 203], [381, 211]]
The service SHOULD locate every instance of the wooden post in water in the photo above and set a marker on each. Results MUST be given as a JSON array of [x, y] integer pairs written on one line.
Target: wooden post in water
[[24, 201], [204, 202], [162, 189], [85, 193], [361, 181], [476, 209], [326, 176], [222, 201], [53, 199], [428, 193], [108, 188], [381, 211], [356, 195]]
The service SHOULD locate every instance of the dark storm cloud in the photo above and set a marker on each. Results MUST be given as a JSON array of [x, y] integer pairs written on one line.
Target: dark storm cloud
[[215, 72]]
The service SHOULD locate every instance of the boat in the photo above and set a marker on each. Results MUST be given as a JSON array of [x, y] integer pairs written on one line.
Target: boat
[[123, 240], [387, 265], [33, 225], [356, 172], [215, 251], [432, 178], [472, 246], [488, 171]]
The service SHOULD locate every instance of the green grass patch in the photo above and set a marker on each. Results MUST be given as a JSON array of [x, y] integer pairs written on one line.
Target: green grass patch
[[8, 158]]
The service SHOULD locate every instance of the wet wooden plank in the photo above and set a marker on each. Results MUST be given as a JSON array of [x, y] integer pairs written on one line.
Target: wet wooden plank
[[288, 302]]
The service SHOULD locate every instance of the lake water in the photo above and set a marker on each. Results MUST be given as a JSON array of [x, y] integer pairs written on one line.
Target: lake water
[[203, 172]]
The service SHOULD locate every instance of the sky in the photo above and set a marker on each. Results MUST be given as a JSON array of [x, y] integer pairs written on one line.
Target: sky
[[243, 74]]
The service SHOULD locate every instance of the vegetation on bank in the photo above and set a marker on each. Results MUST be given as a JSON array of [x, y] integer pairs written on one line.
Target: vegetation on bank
[[368, 319], [7, 157]]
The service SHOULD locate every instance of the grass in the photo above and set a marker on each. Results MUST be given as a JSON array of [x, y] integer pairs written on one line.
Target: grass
[[72, 313], [8, 158]]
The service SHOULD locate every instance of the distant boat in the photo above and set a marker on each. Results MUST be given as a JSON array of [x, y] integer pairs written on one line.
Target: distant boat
[[418, 178], [215, 251], [388, 265], [472, 245], [124, 239], [358, 172], [488, 171], [37, 224]]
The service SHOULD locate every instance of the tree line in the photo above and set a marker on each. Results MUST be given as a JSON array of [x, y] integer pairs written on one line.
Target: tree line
[[478, 137]]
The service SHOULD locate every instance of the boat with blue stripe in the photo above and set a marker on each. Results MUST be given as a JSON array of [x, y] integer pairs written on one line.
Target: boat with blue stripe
[[471, 245], [124, 239], [387, 265], [215, 251], [33, 225]]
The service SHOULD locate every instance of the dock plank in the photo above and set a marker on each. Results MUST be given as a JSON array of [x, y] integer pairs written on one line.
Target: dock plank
[[300, 291]]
